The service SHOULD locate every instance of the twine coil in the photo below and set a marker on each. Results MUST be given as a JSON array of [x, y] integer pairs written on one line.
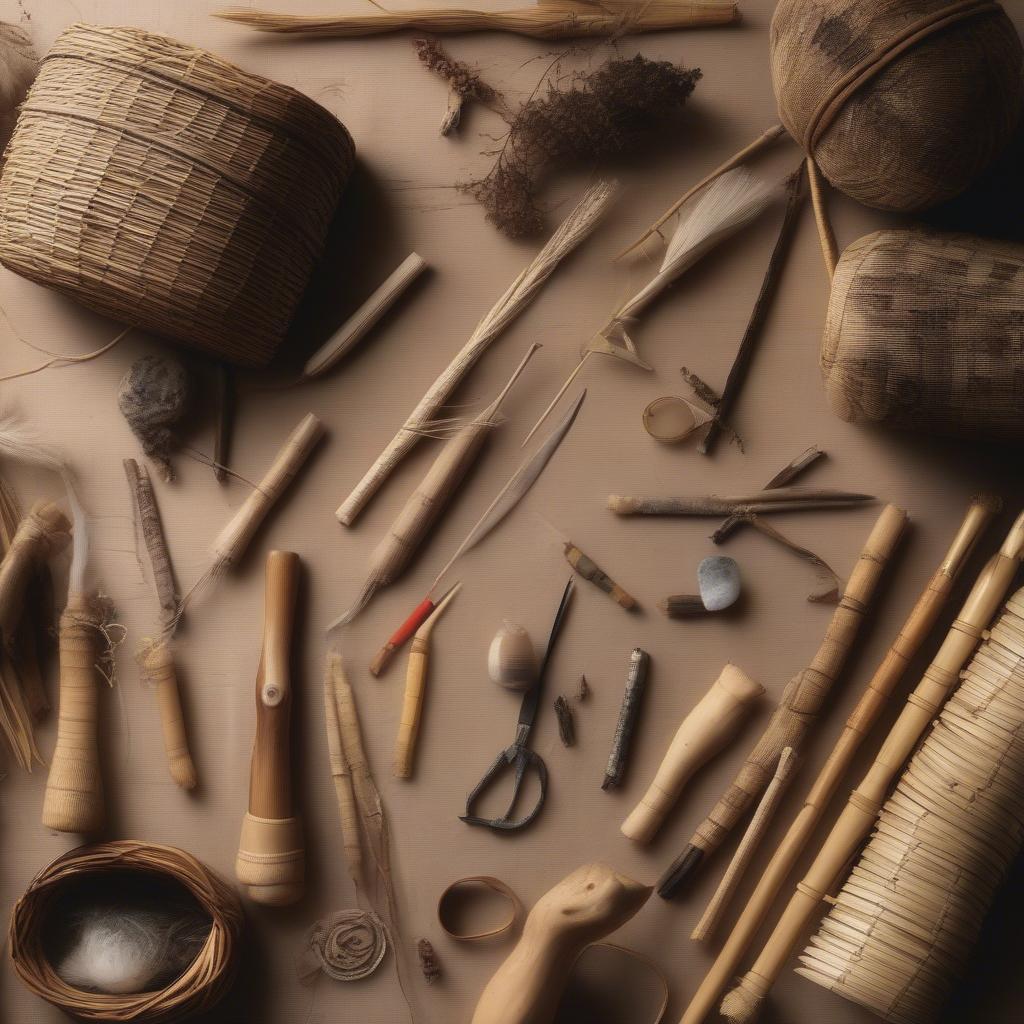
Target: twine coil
[[197, 989], [902, 928], [347, 946], [169, 189]]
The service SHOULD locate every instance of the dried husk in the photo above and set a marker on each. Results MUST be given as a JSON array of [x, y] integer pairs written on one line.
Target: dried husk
[[931, 120], [904, 924], [924, 333]]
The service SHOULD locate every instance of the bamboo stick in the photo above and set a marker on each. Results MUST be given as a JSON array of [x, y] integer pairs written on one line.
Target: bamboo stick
[[913, 633], [415, 687], [801, 703], [573, 230], [723, 895], [865, 801], [551, 20], [702, 734], [271, 857], [782, 499], [233, 540], [365, 318]]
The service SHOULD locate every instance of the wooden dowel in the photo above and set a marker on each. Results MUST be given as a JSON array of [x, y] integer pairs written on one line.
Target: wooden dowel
[[271, 858], [759, 823], [802, 701], [365, 318], [886, 677], [859, 815], [157, 663]]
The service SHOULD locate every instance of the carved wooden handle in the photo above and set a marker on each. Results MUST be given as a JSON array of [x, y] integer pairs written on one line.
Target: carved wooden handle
[[74, 789], [704, 732], [271, 858]]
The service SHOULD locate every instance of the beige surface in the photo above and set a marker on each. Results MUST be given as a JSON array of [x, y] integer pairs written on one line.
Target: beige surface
[[404, 202]]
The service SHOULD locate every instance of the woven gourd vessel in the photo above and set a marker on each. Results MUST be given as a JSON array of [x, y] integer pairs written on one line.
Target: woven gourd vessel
[[198, 989], [901, 102], [925, 331], [902, 928], [169, 189]]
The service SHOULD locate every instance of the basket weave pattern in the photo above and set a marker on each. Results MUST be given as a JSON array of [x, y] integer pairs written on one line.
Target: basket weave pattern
[[199, 988], [169, 189]]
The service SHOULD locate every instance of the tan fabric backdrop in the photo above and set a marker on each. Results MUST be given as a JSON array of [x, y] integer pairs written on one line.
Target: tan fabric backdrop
[[402, 200]]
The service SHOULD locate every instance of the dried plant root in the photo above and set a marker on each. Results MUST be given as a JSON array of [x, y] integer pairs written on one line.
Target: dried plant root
[[464, 82], [600, 114], [148, 517]]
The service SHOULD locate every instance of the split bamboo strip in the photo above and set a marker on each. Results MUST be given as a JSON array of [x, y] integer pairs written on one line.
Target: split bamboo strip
[[554, 19], [902, 928], [802, 701], [719, 902], [573, 230], [782, 499], [341, 773], [859, 814], [365, 318]]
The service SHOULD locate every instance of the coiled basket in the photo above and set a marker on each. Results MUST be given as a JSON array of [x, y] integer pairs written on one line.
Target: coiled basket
[[197, 989], [162, 186]]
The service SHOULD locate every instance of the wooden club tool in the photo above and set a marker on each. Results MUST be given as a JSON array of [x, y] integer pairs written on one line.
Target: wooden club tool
[[271, 858]]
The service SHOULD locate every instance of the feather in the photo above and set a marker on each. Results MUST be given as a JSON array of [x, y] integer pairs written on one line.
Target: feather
[[518, 484]]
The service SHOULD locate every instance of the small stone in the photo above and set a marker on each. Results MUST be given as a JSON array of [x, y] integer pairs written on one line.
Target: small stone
[[719, 580]]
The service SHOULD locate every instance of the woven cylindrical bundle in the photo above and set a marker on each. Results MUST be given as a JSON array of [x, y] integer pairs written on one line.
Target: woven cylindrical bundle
[[902, 927], [925, 332], [169, 189], [901, 102], [200, 987]]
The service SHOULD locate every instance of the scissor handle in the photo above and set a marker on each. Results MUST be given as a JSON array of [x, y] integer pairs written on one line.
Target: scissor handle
[[520, 759]]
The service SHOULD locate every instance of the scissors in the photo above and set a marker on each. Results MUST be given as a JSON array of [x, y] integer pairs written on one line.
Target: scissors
[[519, 757]]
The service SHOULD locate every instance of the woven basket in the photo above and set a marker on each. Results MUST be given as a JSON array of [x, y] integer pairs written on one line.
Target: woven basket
[[198, 989], [168, 189], [925, 332]]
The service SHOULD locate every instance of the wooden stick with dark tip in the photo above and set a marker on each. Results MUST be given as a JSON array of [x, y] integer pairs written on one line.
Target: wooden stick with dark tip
[[271, 858], [591, 571], [795, 193]]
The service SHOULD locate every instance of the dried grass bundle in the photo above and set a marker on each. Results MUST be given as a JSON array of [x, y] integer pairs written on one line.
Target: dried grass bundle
[[573, 230], [600, 114]]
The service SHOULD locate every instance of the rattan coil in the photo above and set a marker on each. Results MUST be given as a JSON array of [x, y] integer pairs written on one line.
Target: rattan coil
[[198, 989], [166, 188]]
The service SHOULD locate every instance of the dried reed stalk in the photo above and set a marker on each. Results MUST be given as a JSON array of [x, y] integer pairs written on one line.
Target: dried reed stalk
[[723, 895], [148, 518], [858, 816], [391, 556], [801, 703], [782, 499], [555, 19], [573, 230]]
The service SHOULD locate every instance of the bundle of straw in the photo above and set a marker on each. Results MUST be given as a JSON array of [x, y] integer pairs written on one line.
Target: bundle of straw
[[573, 230]]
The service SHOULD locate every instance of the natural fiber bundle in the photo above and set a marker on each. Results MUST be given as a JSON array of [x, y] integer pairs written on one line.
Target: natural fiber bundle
[[200, 987], [901, 102], [923, 332], [902, 927], [167, 188]]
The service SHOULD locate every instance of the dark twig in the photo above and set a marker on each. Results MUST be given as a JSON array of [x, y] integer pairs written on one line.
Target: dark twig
[[566, 724], [769, 285]]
